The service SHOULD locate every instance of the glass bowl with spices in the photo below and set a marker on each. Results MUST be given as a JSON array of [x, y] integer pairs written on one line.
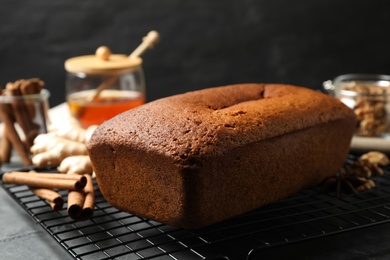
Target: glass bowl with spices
[[369, 96]]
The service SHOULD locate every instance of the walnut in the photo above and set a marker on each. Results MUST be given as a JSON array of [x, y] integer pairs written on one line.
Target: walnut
[[367, 185], [369, 108], [356, 176], [360, 168], [365, 168], [375, 157]]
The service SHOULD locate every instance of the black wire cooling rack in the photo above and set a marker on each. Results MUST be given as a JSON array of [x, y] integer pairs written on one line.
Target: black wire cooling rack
[[112, 234]]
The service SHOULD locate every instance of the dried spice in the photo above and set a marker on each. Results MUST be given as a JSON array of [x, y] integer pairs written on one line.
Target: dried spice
[[357, 176]]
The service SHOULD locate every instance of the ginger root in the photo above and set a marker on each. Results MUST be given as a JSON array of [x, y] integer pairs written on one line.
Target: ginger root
[[80, 164], [64, 147], [50, 150], [74, 133]]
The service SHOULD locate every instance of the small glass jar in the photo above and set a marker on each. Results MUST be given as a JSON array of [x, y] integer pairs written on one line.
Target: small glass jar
[[101, 86], [369, 97], [24, 117]]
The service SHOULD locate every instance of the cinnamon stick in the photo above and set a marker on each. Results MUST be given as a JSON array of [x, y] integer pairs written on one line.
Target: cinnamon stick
[[36, 107], [5, 148], [32, 87], [81, 203], [54, 198], [89, 202], [41, 182], [23, 111], [5, 145], [57, 176], [75, 204], [12, 134]]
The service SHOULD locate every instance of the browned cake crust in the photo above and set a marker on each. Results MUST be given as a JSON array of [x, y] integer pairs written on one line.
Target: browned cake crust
[[194, 159]]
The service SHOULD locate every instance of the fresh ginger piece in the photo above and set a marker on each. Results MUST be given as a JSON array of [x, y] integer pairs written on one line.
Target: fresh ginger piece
[[80, 164], [70, 132], [74, 133], [43, 143], [50, 150]]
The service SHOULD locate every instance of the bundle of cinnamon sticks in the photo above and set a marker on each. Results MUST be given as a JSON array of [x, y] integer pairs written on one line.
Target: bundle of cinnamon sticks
[[81, 197], [16, 106]]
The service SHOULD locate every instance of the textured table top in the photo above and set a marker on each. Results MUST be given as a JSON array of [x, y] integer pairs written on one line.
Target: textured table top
[[21, 237]]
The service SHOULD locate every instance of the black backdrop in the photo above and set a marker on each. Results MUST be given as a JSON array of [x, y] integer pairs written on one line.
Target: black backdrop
[[203, 43]]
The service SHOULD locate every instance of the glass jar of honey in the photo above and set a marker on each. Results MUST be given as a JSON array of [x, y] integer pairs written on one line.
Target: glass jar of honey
[[101, 86]]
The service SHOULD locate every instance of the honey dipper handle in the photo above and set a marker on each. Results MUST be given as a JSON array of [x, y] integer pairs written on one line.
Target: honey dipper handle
[[147, 42]]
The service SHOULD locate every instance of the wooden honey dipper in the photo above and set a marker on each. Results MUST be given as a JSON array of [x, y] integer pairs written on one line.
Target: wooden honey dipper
[[104, 53]]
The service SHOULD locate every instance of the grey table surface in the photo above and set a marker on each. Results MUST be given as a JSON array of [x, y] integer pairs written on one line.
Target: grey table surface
[[21, 237]]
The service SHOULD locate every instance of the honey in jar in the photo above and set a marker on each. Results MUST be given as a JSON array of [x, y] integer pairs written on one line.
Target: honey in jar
[[103, 85], [89, 111]]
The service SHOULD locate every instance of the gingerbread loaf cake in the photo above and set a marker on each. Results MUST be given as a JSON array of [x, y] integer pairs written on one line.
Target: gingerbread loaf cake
[[194, 159]]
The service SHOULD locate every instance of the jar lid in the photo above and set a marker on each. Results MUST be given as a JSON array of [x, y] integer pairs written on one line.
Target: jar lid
[[102, 62]]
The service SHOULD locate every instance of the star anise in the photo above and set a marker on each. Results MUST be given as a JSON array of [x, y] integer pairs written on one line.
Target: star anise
[[347, 182], [356, 177]]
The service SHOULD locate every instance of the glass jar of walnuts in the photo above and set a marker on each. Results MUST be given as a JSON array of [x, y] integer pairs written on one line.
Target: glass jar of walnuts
[[369, 97]]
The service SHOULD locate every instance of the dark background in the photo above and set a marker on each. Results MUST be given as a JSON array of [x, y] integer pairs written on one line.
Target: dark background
[[204, 43]]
